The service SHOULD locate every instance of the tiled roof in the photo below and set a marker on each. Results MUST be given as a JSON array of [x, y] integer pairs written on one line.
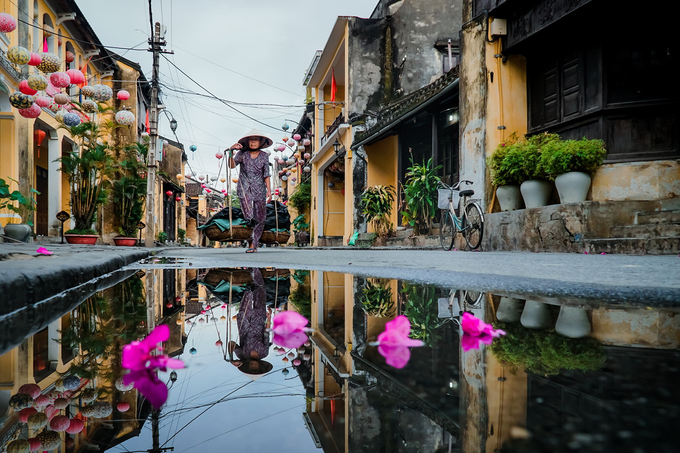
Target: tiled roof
[[399, 109]]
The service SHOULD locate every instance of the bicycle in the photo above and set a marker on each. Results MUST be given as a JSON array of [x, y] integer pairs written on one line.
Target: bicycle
[[471, 221]]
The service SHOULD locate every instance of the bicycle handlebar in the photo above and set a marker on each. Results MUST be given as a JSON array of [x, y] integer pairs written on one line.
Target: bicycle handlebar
[[456, 185]]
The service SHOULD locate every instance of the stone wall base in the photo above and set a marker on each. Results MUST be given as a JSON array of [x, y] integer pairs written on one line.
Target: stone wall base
[[633, 227]]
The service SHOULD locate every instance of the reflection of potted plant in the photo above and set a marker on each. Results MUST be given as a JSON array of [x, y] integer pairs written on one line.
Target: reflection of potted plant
[[376, 206], [544, 352], [420, 196], [88, 170], [421, 309], [11, 204], [129, 193], [571, 163], [302, 299], [376, 298]]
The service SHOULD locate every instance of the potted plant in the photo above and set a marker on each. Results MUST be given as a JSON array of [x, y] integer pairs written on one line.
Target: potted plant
[[505, 164], [88, 170], [376, 206], [301, 201], [11, 204], [181, 235], [535, 186], [301, 230], [162, 237], [420, 196], [571, 163], [129, 193]]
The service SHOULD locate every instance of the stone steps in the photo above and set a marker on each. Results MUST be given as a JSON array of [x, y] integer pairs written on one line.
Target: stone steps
[[646, 231], [638, 246]]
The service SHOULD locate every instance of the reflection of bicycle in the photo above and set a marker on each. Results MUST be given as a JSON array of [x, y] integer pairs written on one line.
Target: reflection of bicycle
[[471, 221]]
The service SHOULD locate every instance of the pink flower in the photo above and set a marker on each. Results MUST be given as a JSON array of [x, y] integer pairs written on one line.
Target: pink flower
[[43, 251], [289, 329], [137, 357], [394, 342], [476, 332]]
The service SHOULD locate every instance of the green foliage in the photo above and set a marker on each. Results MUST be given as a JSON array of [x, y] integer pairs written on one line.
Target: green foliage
[[181, 233], [376, 206], [81, 231], [542, 352], [300, 276], [421, 310], [301, 297], [15, 201], [376, 298], [420, 195], [129, 190], [563, 156], [517, 160], [301, 199], [162, 236], [300, 224]]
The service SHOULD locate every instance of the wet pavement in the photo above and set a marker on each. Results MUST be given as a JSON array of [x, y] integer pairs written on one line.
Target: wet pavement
[[570, 373]]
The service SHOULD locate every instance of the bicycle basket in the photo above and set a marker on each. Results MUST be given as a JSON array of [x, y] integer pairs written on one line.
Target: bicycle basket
[[446, 195]]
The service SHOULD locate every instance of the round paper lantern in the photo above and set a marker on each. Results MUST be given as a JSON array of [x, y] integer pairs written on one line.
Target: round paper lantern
[[297, 137], [293, 179], [7, 23], [87, 91], [224, 191], [26, 89], [307, 156], [35, 59], [102, 93], [285, 359], [61, 403], [36, 82], [120, 385], [59, 116], [307, 357], [123, 95], [290, 161], [307, 169], [284, 178], [89, 106], [60, 423], [296, 155], [71, 382], [20, 100], [123, 407], [20, 401], [37, 420], [219, 343], [70, 57], [60, 79], [193, 148], [76, 76], [178, 199], [125, 118], [30, 389], [42, 401], [306, 142], [51, 411], [297, 362], [100, 409], [201, 178], [234, 180], [49, 440], [179, 176], [223, 179], [54, 106], [18, 55], [34, 443], [169, 193], [219, 155], [301, 162], [281, 147], [301, 148], [25, 413], [89, 395], [18, 446], [293, 170], [213, 178], [75, 426], [43, 101], [71, 119], [208, 190], [281, 161], [285, 139], [280, 172], [49, 62], [61, 99]]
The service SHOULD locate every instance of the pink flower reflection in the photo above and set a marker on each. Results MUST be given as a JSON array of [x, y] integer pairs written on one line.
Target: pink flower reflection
[[289, 329], [476, 332], [394, 342], [137, 357]]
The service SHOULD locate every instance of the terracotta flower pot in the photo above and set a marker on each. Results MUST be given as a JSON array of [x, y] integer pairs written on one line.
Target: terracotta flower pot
[[121, 241], [87, 239]]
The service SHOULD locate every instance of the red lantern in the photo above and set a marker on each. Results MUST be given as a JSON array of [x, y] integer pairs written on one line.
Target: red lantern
[[24, 88], [39, 135], [123, 95], [169, 193], [70, 57], [219, 155], [76, 76], [178, 199]]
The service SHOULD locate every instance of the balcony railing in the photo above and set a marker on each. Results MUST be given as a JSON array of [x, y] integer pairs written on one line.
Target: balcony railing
[[340, 119]]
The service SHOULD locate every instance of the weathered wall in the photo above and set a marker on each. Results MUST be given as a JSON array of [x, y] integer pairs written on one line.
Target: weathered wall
[[654, 180], [366, 66], [382, 168], [659, 329]]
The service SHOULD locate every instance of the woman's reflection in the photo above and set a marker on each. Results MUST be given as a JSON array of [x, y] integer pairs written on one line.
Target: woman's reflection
[[253, 320]]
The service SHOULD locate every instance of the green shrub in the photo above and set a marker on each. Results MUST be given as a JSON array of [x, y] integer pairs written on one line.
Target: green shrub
[[301, 199], [376, 298], [584, 155], [376, 206], [542, 352], [517, 160], [420, 195], [81, 231], [162, 236]]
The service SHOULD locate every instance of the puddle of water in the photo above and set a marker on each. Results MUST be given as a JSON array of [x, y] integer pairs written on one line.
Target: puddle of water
[[565, 377]]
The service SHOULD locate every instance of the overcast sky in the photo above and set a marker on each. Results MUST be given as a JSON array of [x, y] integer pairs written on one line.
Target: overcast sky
[[252, 51]]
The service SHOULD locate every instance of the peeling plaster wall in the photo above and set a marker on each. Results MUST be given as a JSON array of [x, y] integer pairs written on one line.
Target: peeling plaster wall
[[366, 48], [655, 180]]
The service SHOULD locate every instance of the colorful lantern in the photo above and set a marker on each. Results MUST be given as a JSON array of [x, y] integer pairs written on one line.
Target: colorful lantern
[[223, 179], [34, 444], [25, 413], [224, 190], [179, 176], [234, 180], [281, 148], [18, 55], [54, 107], [87, 91], [168, 193], [208, 191], [201, 178], [89, 106], [203, 186], [42, 401], [296, 155], [60, 403], [61, 99], [301, 149], [59, 116], [75, 426], [297, 137], [49, 440], [70, 57], [280, 172], [49, 62], [178, 199], [77, 77], [35, 59], [219, 155], [285, 127], [193, 148], [307, 169], [7, 23], [281, 161], [30, 389], [24, 88], [18, 446], [307, 156], [301, 162], [294, 170], [60, 79], [38, 136], [36, 82], [31, 112], [123, 95], [20, 100], [284, 178], [120, 385], [285, 139], [213, 178], [123, 407], [43, 101], [290, 161], [125, 118], [102, 93], [60, 423], [71, 119], [306, 142], [71, 382]]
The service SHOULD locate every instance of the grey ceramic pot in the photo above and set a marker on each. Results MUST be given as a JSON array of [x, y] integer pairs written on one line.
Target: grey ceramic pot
[[19, 231]]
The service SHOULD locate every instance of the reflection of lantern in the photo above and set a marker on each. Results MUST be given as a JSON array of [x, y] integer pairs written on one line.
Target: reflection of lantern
[[35, 59], [60, 79], [7, 23], [76, 76], [123, 95], [49, 62], [125, 118], [26, 89], [31, 112], [18, 55], [39, 136], [37, 82], [169, 193], [71, 119]]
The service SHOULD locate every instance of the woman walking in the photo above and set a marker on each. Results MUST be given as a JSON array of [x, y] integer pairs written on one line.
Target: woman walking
[[253, 188]]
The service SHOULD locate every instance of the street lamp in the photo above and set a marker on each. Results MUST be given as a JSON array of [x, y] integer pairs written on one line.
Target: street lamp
[[173, 125], [336, 146]]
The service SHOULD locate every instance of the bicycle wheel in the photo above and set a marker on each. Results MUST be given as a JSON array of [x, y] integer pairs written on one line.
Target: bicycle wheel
[[474, 228], [447, 230]]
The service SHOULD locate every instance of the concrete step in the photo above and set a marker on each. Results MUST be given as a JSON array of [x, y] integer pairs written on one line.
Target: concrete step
[[646, 231], [646, 218], [637, 246], [404, 233]]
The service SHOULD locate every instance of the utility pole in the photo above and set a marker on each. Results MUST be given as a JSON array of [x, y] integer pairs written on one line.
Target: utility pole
[[156, 42]]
